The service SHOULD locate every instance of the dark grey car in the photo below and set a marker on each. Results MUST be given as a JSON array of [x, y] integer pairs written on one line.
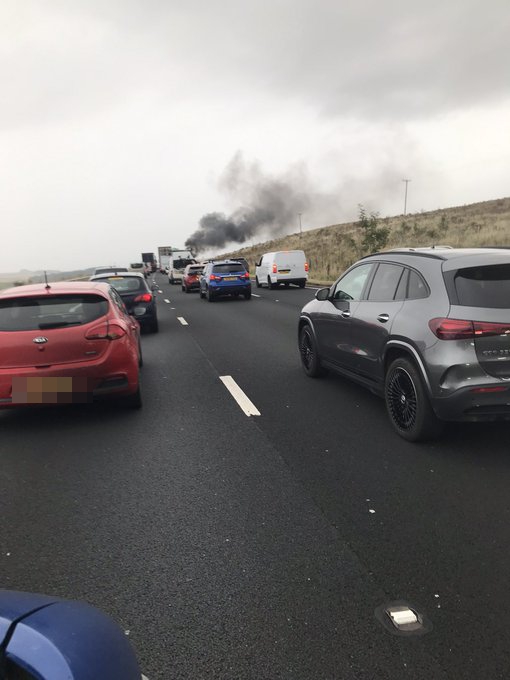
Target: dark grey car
[[427, 328]]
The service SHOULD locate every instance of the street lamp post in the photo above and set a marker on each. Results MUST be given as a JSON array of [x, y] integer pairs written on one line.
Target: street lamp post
[[405, 195]]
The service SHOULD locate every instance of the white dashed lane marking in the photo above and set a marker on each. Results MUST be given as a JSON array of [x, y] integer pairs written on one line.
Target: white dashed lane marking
[[167, 301], [246, 404], [255, 295], [183, 321]]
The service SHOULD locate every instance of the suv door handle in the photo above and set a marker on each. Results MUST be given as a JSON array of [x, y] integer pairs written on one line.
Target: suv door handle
[[346, 314], [383, 318]]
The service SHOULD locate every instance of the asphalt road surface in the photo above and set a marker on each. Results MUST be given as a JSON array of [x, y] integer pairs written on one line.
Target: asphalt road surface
[[259, 547]]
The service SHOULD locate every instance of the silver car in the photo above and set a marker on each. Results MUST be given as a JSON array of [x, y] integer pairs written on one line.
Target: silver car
[[427, 328]]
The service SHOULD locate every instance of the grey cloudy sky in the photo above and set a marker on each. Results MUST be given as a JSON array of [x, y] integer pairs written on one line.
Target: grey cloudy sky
[[120, 119]]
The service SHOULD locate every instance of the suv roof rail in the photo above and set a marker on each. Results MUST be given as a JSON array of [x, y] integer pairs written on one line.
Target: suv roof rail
[[420, 252]]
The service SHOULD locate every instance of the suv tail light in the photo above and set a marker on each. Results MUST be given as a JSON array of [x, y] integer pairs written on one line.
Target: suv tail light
[[306, 266], [105, 331], [145, 297], [213, 277], [458, 329], [275, 269], [246, 275]]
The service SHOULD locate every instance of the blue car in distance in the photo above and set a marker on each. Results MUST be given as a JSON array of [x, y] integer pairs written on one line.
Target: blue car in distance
[[225, 277], [47, 638]]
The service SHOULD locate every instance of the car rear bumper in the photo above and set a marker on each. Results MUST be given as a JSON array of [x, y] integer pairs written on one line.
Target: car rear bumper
[[469, 405], [93, 381], [287, 278], [231, 289]]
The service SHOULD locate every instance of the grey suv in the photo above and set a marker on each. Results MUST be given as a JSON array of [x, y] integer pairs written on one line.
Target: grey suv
[[427, 328]]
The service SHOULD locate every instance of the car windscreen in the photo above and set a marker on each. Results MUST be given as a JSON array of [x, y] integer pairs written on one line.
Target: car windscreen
[[50, 311], [487, 286], [136, 265], [231, 268], [125, 284], [195, 270]]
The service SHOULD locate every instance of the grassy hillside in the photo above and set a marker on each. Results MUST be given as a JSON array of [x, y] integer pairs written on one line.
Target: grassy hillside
[[331, 249], [25, 276]]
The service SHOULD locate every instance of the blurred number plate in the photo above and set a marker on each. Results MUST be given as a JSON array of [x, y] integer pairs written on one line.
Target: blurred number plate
[[230, 278], [57, 390]]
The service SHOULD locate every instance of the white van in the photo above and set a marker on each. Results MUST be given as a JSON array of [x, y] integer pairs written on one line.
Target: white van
[[284, 266], [178, 262]]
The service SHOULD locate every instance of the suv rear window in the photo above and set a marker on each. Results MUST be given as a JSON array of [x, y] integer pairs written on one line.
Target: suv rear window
[[56, 311], [233, 268], [487, 286]]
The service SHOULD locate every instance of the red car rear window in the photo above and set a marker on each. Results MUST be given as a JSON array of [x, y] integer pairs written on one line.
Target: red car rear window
[[55, 311]]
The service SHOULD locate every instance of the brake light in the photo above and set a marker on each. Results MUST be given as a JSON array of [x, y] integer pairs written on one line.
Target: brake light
[[213, 277], [483, 328], [452, 329], [306, 266], [246, 275], [146, 297], [105, 331], [275, 269], [458, 329]]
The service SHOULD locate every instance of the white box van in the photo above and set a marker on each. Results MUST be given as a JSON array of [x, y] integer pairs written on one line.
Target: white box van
[[284, 266]]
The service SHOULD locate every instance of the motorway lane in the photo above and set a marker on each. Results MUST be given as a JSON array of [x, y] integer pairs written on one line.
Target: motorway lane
[[439, 535]]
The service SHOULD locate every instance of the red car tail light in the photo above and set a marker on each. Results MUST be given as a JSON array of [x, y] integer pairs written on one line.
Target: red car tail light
[[105, 331], [306, 266], [483, 328], [452, 329], [458, 329], [246, 275], [275, 269], [212, 277], [146, 297]]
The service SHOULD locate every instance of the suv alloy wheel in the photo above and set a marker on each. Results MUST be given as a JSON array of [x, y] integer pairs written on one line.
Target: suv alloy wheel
[[408, 404]]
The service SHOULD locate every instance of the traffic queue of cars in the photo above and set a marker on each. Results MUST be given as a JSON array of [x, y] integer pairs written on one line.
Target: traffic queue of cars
[[428, 329], [218, 278]]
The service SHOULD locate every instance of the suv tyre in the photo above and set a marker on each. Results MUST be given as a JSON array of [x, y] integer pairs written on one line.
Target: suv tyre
[[408, 404], [309, 354]]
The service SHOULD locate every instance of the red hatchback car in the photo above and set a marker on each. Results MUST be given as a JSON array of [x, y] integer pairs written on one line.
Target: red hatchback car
[[67, 342], [191, 277]]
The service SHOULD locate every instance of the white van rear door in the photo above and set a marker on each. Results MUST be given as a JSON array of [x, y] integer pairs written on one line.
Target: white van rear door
[[290, 263]]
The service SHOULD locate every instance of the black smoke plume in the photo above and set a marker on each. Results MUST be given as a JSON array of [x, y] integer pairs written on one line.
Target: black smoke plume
[[268, 204]]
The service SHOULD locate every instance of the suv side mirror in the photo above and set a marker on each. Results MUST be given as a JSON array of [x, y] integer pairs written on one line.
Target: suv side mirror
[[322, 294]]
